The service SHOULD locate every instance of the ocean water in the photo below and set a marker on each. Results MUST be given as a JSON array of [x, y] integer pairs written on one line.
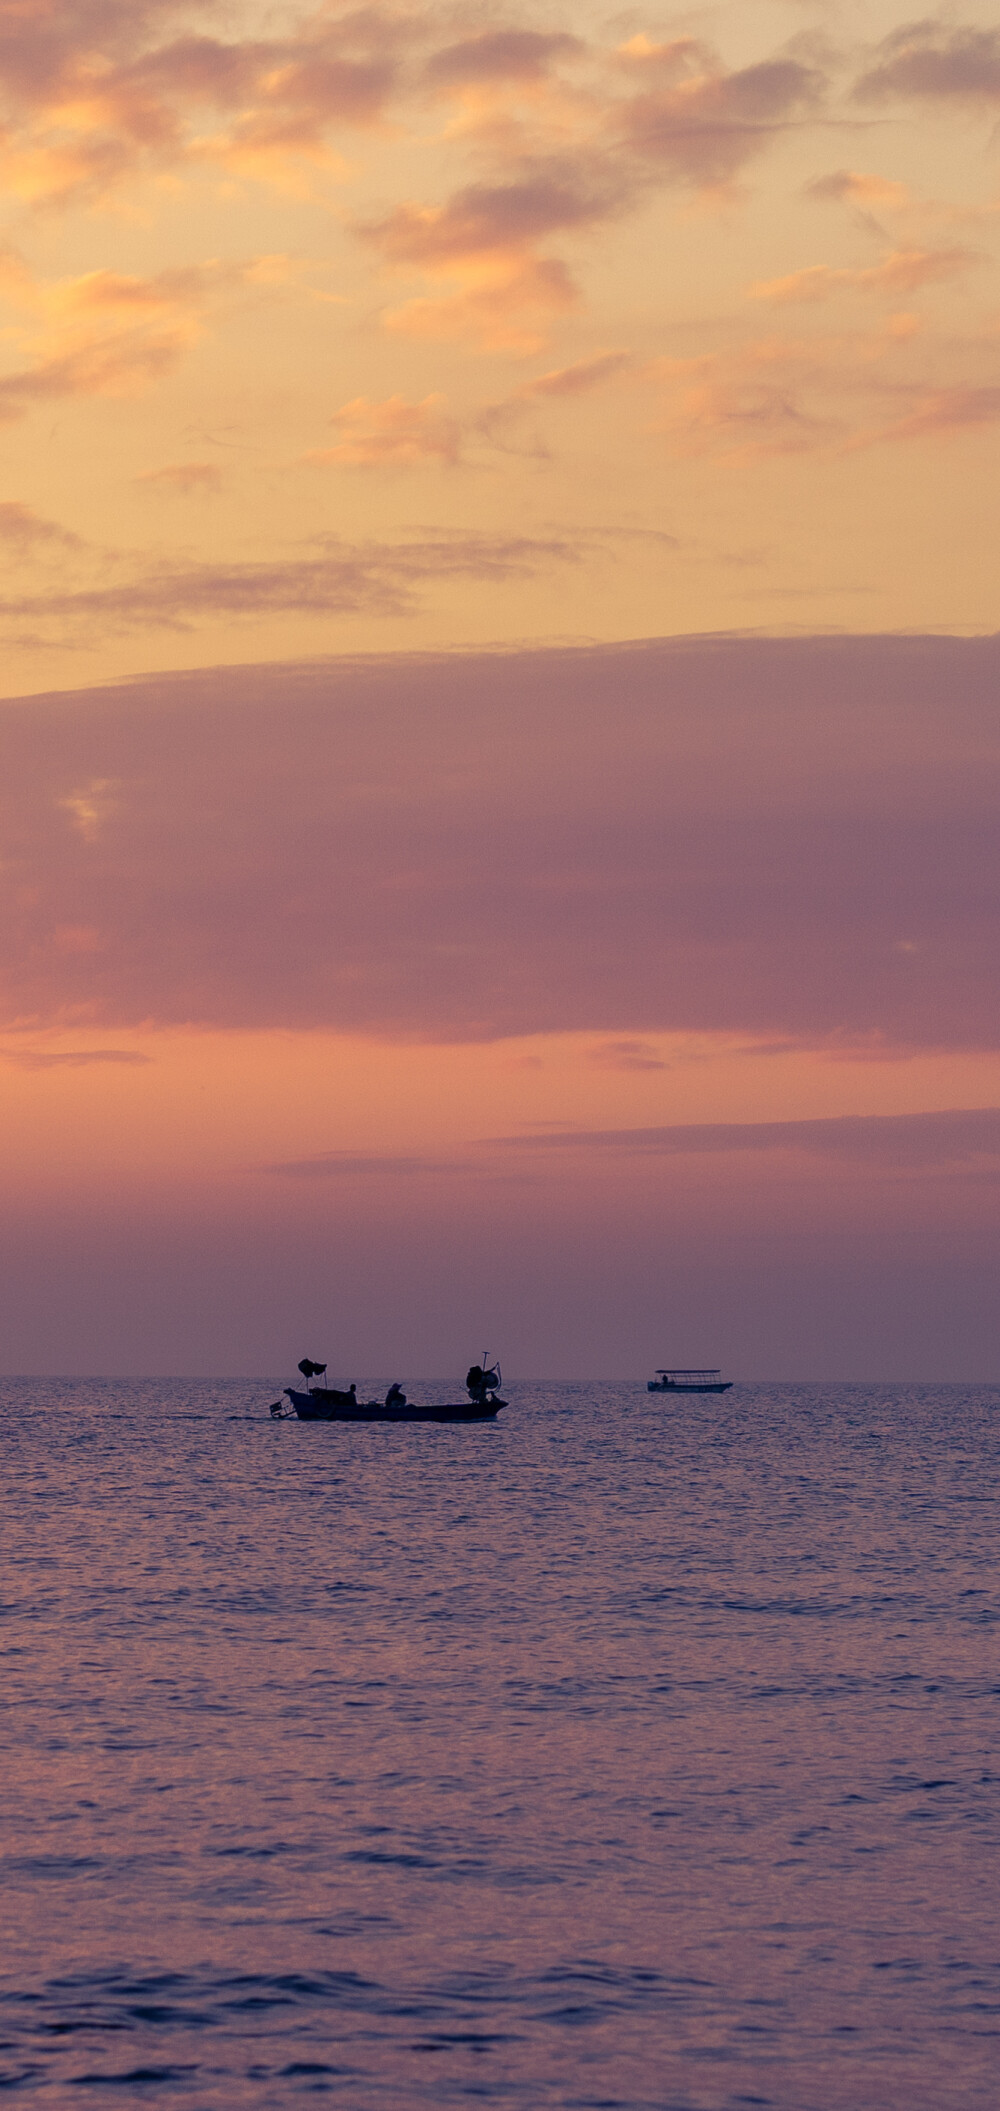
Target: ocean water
[[629, 1753]]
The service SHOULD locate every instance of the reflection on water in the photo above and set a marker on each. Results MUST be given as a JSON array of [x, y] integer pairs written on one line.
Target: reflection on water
[[625, 1753]]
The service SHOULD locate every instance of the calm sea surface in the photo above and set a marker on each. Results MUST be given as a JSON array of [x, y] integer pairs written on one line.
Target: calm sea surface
[[629, 1753]]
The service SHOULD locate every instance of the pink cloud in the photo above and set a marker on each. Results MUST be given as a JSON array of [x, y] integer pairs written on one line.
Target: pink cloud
[[22, 530], [501, 55], [700, 125], [928, 61], [900, 1141]]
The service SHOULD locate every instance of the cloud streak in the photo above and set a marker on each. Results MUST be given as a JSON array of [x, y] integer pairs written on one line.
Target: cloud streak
[[393, 434], [73, 1058], [901, 271], [831, 391], [108, 333], [902, 1142], [329, 577]]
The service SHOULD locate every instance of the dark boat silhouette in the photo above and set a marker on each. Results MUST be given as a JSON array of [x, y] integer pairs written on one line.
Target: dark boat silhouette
[[688, 1382], [324, 1403]]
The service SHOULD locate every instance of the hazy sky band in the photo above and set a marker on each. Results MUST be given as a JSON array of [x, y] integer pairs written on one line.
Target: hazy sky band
[[792, 837]]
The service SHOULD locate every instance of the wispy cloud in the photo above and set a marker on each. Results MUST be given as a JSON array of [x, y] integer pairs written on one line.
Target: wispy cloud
[[328, 576], [577, 379], [903, 1141], [184, 477], [73, 1058], [937, 413], [108, 333], [393, 434], [902, 271], [627, 1055], [23, 532], [353, 1165], [888, 1143], [831, 391]]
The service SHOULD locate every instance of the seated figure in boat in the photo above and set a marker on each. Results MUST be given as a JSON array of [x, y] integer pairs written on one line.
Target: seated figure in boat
[[395, 1396], [480, 1382]]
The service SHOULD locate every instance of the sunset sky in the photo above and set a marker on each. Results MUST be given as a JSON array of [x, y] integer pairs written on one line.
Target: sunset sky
[[499, 760]]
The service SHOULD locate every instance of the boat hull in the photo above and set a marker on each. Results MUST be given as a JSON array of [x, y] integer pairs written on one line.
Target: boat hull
[[312, 1407], [655, 1385]]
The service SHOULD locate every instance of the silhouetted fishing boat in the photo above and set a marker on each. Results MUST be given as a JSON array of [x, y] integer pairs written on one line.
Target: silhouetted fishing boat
[[688, 1382], [332, 1407], [323, 1403]]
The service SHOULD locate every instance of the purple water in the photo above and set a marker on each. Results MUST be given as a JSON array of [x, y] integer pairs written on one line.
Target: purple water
[[626, 1753]]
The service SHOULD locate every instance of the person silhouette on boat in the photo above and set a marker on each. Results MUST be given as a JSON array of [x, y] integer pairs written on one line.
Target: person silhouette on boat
[[479, 1383], [395, 1396]]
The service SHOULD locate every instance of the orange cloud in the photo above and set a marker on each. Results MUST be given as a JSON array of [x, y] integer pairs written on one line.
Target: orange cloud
[[859, 188], [106, 333], [902, 271], [752, 401], [184, 477], [96, 91], [788, 395], [938, 411], [691, 123], [484, 242], [392, 434]]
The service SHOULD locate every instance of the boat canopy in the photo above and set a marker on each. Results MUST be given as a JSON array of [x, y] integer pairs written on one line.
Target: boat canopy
[[687, 1374]]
